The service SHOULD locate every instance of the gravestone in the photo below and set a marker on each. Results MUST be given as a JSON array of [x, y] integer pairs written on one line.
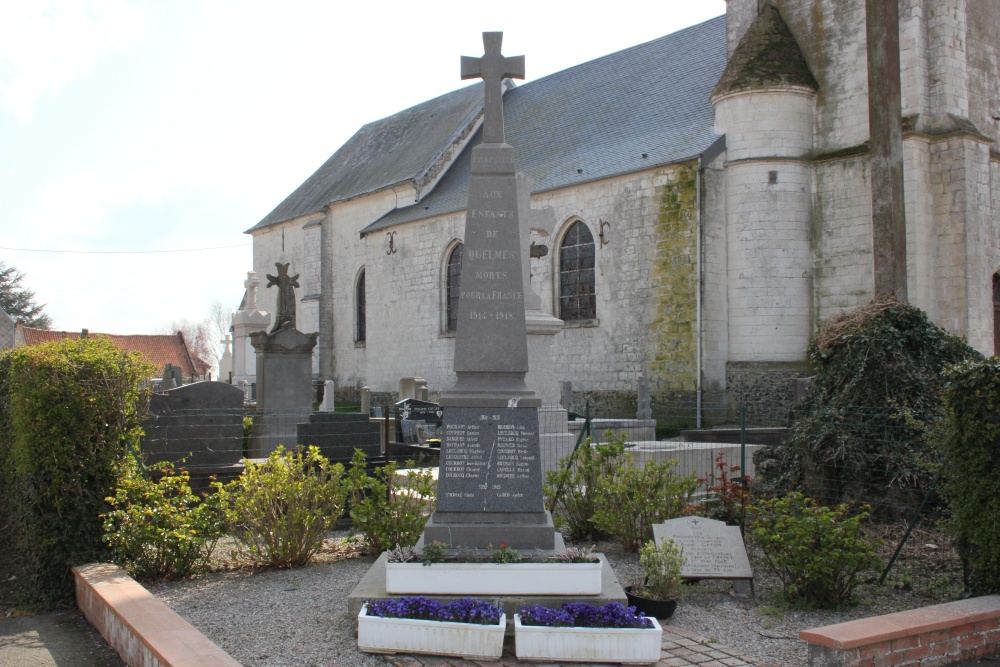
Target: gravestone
[[409, 387], [284, 374], [338, 434], [248, 319], [713, 549], [409, 412], [226, 361], [645, 402], [566, 395], [201, 423], [172, 377], [366, 401], [328, 390], [490, 483]]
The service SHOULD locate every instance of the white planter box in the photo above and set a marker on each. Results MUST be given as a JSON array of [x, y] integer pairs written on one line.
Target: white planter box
[[407, 635], [493, 578], [625, 645]]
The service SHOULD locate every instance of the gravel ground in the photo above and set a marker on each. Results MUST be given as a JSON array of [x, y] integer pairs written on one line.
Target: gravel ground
[[298, 617]]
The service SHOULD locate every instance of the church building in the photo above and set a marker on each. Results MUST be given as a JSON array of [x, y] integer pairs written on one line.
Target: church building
[[699, 204]]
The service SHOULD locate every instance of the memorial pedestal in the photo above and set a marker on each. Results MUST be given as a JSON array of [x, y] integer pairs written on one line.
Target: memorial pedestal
[[284, 388]]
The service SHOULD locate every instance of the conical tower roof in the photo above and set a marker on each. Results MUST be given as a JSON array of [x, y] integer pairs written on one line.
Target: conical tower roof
[[767, 56]]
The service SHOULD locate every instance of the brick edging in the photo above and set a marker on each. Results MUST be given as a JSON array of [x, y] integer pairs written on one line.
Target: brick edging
[[143, 630], [941, 633]]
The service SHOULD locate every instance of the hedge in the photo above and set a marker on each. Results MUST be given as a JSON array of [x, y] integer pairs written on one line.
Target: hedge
[[66, 410], [971, 480]]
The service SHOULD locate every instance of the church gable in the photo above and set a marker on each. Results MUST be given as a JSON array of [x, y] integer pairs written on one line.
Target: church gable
[[766, 56]]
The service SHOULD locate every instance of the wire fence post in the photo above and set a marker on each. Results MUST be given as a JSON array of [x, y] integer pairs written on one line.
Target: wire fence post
[[743, 466]]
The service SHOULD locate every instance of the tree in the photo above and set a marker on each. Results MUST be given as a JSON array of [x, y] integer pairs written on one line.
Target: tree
[[204, 338], [19, 302]]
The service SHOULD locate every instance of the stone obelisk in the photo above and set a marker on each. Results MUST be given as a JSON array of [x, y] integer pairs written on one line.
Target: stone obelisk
[[490, 485]]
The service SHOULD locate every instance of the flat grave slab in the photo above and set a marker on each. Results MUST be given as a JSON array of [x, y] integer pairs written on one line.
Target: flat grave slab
[[713, 549]]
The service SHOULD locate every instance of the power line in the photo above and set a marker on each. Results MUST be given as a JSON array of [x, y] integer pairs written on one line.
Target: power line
[[126, 252]]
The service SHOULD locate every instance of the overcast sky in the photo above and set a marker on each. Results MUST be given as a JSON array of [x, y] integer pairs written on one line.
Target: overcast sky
[[131, 127]]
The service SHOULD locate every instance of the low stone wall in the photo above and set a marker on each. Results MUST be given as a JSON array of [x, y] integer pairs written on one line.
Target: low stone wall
[[143, 630], [944, 634]]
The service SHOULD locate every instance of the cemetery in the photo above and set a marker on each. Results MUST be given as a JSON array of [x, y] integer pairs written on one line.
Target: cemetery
[[473, 523]]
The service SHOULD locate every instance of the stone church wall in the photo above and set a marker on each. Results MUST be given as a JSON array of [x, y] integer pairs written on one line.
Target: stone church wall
[[644, 282]]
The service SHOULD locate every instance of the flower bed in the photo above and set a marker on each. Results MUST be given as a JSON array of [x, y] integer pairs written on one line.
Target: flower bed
[[466, 628], [581, 632]]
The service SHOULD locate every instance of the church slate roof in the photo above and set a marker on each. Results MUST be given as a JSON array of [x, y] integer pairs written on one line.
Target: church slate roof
[[766, 56], [383, 153], [597, 120]]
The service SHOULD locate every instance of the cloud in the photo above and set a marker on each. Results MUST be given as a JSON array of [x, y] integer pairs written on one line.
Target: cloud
[[44, 45]]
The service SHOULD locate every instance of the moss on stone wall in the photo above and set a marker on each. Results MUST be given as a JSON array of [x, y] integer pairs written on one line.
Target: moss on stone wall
[[675, 281]]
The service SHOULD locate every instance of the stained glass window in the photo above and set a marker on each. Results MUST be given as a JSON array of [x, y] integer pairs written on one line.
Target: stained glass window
[[577, 296], [454, 275]]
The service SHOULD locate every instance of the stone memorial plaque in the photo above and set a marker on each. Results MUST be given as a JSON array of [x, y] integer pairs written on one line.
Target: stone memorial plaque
[[713, 549], [490, 461]]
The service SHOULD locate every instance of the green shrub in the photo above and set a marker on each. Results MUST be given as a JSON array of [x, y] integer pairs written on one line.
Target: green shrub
[[247, 433], [631, 499], [388, 509], [282, 509], [859, 434], [662, 565], [160, 529], [971, 480], [818, 553], [571, 491], [68, 408]]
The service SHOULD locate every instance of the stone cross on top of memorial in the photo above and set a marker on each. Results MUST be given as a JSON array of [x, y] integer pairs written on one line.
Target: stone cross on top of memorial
[[490, 482], [491, 349], [286, 296]]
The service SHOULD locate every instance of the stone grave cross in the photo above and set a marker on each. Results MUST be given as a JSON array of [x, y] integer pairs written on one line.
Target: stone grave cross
[[493, 68], [251, 285]]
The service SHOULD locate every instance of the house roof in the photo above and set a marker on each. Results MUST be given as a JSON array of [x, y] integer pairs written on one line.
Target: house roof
[[636, 109], [766, 56], [158, 349], [383, 153]]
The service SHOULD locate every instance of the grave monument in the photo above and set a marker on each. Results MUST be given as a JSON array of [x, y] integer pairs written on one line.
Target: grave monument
[[249, 319], [490, 474], [284, 373], [490, 479]]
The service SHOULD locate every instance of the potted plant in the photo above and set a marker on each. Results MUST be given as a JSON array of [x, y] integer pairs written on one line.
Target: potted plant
[[504, 571], [657, 595], [582, 632], [467, 628]]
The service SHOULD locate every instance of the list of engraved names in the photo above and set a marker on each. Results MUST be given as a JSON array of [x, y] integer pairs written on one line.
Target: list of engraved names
[[489, 458]]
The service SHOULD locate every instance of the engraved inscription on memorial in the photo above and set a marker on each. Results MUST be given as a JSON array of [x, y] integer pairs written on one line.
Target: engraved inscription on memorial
[[713, 549], [489, 460]]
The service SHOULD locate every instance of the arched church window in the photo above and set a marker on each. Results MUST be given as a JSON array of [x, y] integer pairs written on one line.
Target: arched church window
[[577, 295], [359, 300], [451, 296]]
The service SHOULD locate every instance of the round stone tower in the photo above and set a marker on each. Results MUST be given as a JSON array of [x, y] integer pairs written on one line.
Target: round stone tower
[[764, 104]]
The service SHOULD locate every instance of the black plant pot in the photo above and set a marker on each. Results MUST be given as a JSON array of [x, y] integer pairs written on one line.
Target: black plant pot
[[651, 607]]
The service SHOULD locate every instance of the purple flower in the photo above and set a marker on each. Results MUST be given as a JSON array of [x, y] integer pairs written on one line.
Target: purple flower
[[584, 615], [466, 610]]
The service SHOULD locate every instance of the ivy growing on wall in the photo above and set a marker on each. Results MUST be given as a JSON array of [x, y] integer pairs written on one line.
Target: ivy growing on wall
[[861, 432]]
